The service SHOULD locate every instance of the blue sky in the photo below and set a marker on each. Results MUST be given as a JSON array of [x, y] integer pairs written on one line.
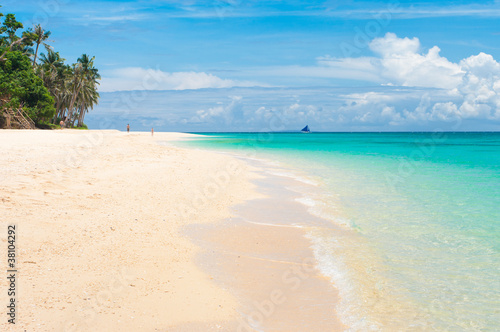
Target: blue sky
[[336, 65]]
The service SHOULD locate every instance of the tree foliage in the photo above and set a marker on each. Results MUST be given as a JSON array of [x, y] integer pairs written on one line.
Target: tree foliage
[[20, 86], [49, 89]]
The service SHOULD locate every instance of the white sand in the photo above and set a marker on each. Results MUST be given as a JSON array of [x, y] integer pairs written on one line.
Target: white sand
[[99, 230]]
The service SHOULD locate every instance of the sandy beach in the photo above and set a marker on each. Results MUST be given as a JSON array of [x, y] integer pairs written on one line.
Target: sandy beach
[[115, 231]]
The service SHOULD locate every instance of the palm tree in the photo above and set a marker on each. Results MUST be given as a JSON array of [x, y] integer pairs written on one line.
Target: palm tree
[[40, 36], [55, 75], [83, 71], [52, 59], [87, 98], [74, 88]]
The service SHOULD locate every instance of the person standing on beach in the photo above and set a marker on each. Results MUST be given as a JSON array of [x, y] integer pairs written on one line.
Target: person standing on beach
[[152, 131], [128, 128], [61, 124]]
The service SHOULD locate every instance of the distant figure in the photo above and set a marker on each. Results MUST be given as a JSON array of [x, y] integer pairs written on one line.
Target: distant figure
[[128, 128], [152, 131], [61, 124]]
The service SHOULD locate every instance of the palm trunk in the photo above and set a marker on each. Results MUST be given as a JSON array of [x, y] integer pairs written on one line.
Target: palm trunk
[[80, 116], [58, 109], [83, 115], [73, 100], [75, 116], [60, 112], [36, 52]]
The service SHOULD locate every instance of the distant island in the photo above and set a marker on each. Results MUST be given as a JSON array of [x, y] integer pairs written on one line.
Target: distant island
[[39, 90]]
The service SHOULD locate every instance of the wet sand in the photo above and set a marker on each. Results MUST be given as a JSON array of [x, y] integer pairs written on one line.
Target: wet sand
[[263, 257]]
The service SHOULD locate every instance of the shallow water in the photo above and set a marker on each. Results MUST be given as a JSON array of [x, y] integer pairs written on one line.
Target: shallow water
[[422, 211]]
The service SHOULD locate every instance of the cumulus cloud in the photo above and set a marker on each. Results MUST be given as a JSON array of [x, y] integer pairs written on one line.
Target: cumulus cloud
[[399, 61], [473, 84], [391, 45], [480, 87], [221, 114], [136, 78], [284, 117]]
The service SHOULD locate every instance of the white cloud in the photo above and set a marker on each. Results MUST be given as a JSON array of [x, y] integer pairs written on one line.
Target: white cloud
[[363, 68], [113, 19], [136, 78], [480, 87], [399, 62], [409, 68], [220, 114], [473, 84], [391, 45], [417, 89], [444, 112], [343, 9], [270, 109]]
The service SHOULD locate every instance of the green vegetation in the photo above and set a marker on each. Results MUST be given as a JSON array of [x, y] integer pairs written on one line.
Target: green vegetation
[[21, 87], [46, 88]]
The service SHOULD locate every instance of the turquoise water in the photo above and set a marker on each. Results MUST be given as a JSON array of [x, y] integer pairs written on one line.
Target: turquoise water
[[422, 217]]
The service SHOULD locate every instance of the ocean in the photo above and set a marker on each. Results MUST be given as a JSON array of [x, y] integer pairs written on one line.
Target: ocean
[[421, 214]]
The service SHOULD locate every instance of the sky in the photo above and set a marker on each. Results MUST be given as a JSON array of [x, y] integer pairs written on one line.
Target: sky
[[235, 65]]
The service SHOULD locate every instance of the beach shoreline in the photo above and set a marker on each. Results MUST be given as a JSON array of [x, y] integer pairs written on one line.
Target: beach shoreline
[[101, 216], [263, 255], [300, 204]]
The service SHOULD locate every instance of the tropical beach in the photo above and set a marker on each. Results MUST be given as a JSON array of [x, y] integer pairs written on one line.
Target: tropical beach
[[100, 219], [249, 166], [124, 230]]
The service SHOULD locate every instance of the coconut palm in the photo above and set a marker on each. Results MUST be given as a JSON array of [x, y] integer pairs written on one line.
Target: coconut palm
[[74, 88], [52, 59], [40, 35], [84, 72], [55, 75], [87, 99]]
